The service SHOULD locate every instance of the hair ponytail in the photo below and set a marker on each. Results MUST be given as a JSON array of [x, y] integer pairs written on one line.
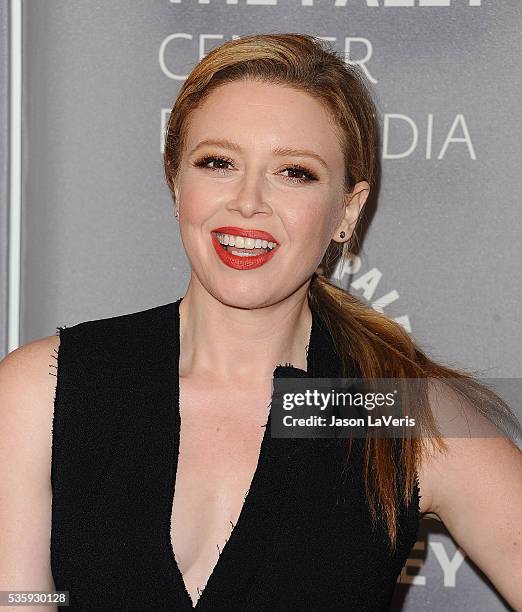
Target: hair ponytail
[[381, 348]]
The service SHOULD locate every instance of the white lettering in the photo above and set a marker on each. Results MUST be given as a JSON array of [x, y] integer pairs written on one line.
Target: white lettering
[[344, 3], [449, 567], [203, 38], [415, 136], [466, 138], [368, 282], [360, 62], [458, 122], [386, 299], [163, 46]]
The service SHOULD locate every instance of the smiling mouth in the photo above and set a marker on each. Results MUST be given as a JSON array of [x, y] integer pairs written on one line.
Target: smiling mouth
[[245, 257], [243, 246]]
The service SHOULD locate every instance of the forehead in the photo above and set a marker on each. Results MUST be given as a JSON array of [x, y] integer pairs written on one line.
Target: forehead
[[257, 114]]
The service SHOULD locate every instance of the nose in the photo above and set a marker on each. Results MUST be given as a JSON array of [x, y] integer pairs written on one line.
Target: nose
[[249, 196]]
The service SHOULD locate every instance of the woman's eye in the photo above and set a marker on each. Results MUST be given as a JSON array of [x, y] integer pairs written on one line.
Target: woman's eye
[[203, 163], [308, 176], [221, 162]]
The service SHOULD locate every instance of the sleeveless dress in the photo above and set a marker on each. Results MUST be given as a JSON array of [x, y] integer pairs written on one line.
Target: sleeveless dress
[[303, 541]]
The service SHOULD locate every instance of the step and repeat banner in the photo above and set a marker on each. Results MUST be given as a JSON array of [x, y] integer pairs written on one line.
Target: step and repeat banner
[[441, 253]]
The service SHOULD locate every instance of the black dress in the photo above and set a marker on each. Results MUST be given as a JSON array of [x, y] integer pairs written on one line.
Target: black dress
[[303, 542]]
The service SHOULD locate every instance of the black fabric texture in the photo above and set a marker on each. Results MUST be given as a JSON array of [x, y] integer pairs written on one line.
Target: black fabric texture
[[303, 541]]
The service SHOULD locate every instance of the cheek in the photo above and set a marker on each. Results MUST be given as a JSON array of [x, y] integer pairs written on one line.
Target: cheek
[[193, 203], [310, 226]]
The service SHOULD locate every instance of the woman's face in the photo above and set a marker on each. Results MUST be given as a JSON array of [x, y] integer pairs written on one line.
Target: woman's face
[[242, 179]]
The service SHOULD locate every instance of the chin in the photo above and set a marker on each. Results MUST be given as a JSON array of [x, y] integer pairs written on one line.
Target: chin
[[246, 299]]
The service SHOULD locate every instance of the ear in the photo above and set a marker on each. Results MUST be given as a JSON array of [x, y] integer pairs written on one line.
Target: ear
[[352, 206]]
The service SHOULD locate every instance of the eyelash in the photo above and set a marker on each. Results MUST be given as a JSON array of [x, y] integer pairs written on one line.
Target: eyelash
[[310, 175]]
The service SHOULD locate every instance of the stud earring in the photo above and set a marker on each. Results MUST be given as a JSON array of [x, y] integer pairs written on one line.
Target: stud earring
[[176, 214], [342, 234]]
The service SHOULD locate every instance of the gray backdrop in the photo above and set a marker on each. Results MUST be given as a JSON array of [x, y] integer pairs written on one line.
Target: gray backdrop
[[442, 251]]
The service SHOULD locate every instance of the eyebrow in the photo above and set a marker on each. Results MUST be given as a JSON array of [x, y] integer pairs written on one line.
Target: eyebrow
[[227, 144]]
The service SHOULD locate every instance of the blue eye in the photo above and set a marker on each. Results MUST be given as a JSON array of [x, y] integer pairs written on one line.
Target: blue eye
[[203, 163]]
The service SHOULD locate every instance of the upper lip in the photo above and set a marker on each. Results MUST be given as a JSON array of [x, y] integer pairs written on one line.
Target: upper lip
[[247, 233]]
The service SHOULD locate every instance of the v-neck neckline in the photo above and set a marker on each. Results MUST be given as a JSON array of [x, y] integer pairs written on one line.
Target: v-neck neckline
[[259, 473]]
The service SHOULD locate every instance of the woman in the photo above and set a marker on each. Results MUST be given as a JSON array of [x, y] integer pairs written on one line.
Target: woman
[[271, 152]]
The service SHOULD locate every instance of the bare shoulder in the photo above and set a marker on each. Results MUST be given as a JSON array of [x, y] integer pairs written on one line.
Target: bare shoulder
[[28, 378], [472, 443], [29, 356]]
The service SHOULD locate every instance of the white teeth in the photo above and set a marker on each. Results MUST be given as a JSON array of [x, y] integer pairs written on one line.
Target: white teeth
[[245, 243]]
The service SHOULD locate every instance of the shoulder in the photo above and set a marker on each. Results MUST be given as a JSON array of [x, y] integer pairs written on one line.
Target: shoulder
[[27, 385], [26, 374], [27, 388], [137, 324], [474, 445]]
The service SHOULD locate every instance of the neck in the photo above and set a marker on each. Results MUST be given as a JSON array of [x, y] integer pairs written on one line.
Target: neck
[[226, 344]]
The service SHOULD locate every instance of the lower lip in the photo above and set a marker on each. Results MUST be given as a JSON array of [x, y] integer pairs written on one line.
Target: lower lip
[[247, 262]]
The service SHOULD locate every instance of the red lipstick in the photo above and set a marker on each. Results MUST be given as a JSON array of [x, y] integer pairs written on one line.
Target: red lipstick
[[247, 233], [246, 262]]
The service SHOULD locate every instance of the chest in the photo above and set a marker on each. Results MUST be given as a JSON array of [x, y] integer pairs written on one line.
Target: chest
[[219, 446], [151, 483]]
